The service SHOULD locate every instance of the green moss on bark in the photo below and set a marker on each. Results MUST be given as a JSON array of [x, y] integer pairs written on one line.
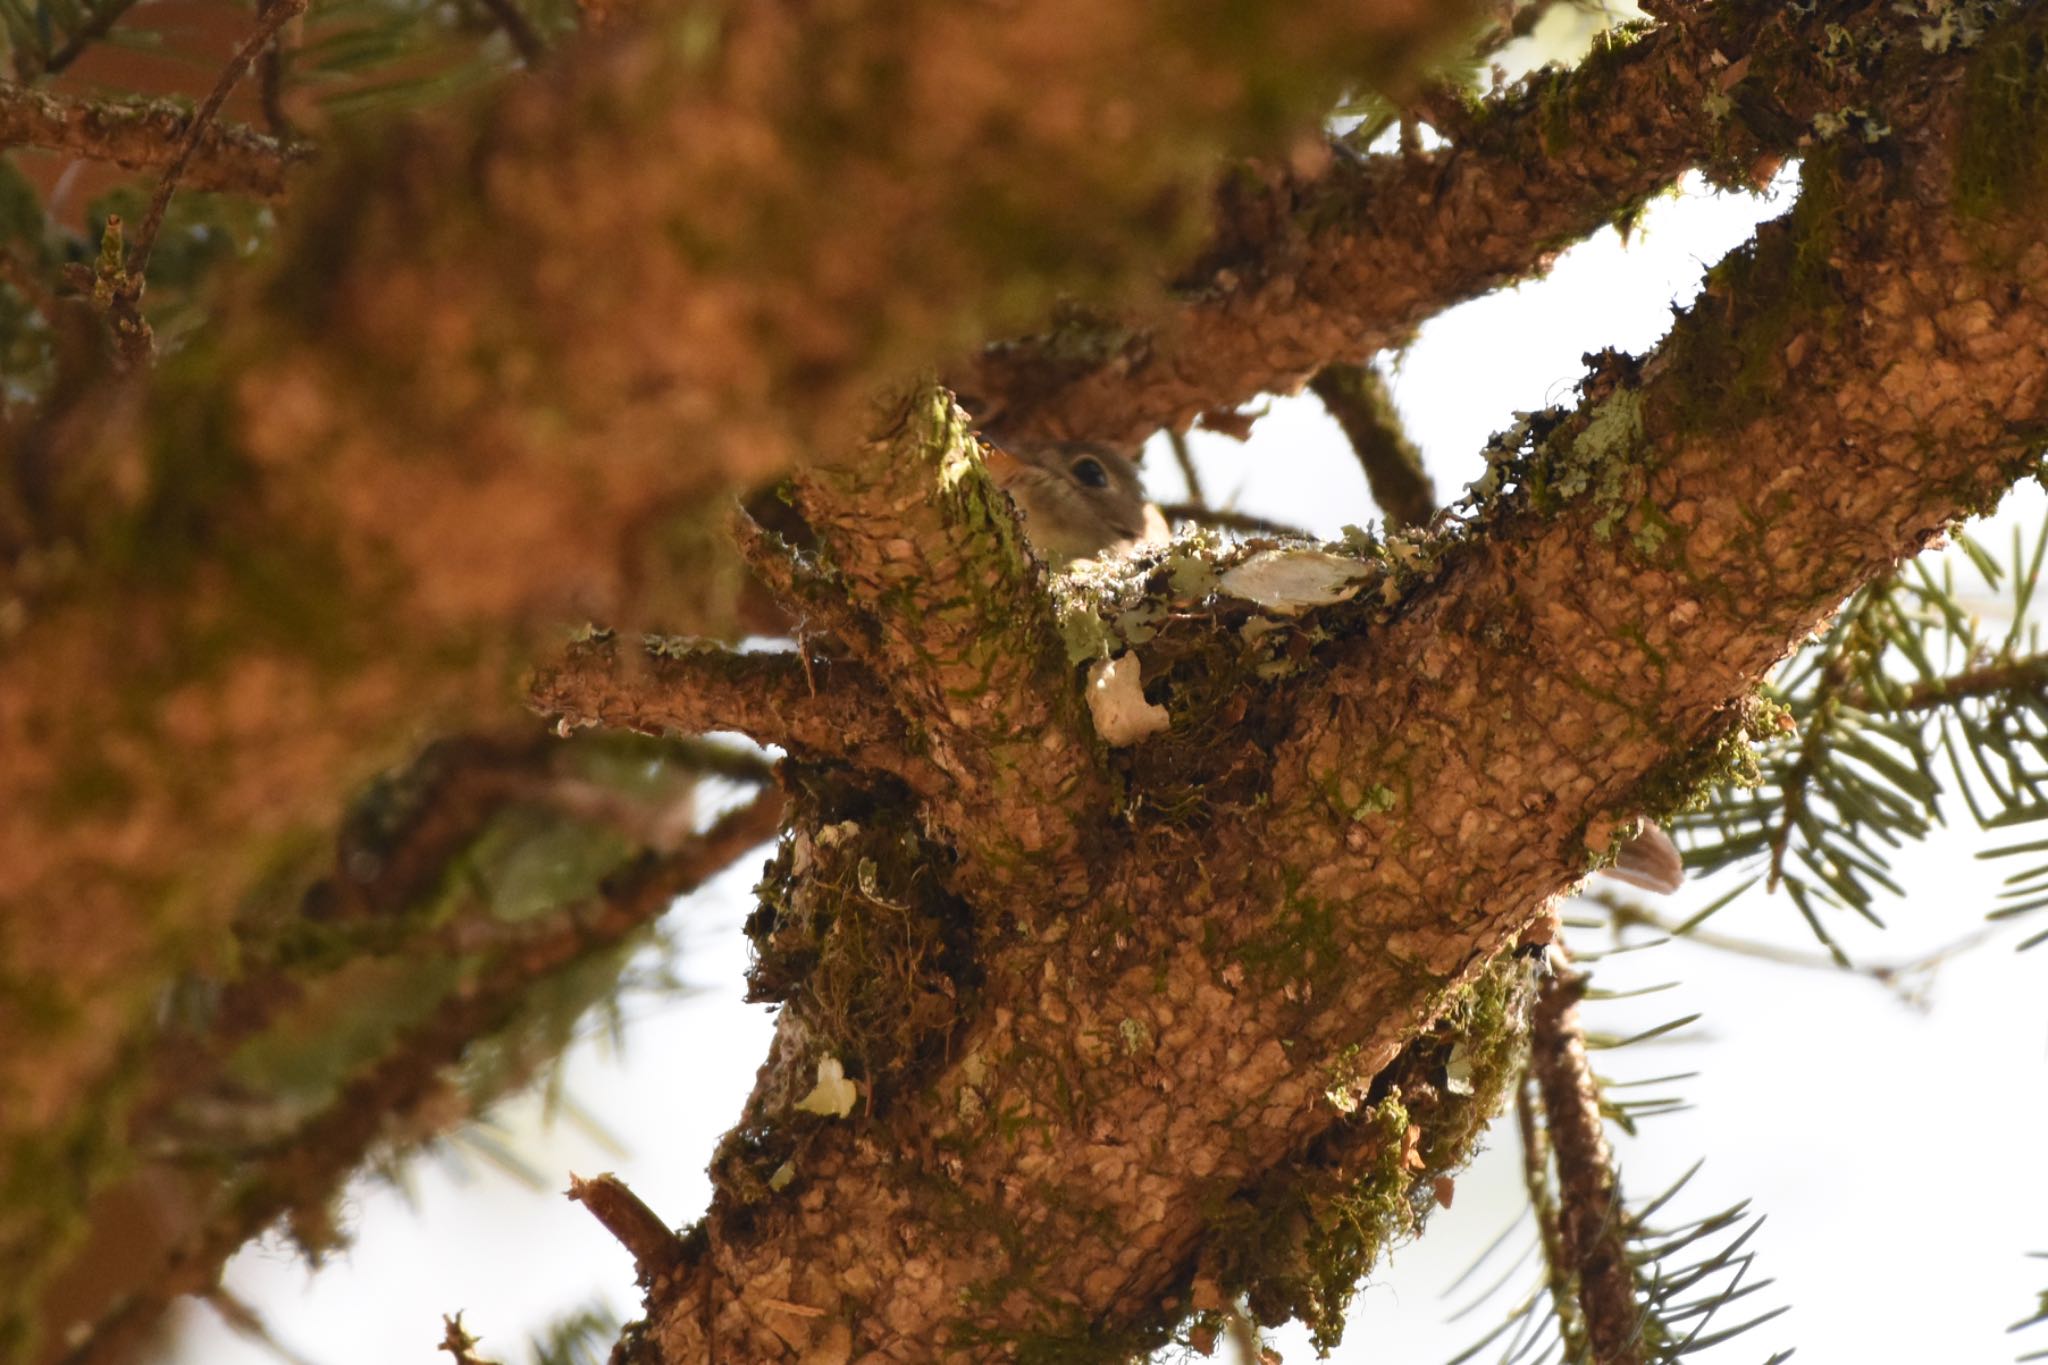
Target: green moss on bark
[[1299, 1246], [2001, 163]]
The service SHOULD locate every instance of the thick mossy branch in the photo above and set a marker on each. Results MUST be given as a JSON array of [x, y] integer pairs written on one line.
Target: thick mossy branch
[[1298, 1245], [1341, 255], [929, 550], [1458, 745], [1168, 1022]]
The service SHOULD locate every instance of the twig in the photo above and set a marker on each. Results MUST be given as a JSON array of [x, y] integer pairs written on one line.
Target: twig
[[1895, 976], [1225, 520], [149, 134], [267, 25], [270, 76], [2028, 674], [96, 26], [1571, 1320], [459, 1343], [827, 707], [1813, 744], [636, 1227], [1357, 397], [1185, 458], [1591, 1231]]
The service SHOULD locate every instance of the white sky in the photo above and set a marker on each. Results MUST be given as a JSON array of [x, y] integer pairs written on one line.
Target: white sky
[[1897, 1152]]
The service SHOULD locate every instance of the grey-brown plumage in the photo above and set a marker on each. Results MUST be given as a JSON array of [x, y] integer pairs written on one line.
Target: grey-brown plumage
[[1650, 861], [1079, 499]]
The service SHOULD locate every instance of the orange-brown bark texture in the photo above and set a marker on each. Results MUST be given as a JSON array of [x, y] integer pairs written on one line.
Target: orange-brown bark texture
[[1103, 995], [1337, 255], [501, 354], [1872, 368]]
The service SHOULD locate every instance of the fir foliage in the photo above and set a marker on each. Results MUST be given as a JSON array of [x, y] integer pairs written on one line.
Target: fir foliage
[[1916, 691], [1689, 1273]]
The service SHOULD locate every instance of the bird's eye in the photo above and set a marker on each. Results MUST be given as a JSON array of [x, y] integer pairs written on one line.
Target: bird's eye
[[1089, 471]]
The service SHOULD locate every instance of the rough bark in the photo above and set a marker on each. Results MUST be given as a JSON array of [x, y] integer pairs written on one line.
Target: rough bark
[[1334, 256], [1591, 1232], [1485, 716], [498, 363]]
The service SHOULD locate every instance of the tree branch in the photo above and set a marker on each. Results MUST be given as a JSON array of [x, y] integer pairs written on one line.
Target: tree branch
[[1536, 1183], [1592, 1227], [147, 136], [1357, 397], [639, 1229], [1346, 820], [443, 434], [964, 638], [2025, 674], [1223, 519], [437, 425], [99, 22], [1347, 254], [1487, 709], [824, 708], [269, 20], [404, 1096]]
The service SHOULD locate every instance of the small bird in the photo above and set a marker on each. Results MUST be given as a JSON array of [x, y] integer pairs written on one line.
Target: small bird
[[1080, 499]]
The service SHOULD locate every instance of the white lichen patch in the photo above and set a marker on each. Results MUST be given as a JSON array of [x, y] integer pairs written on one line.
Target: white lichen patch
[[833, 1096], [1291, 581], [1116, 700]]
